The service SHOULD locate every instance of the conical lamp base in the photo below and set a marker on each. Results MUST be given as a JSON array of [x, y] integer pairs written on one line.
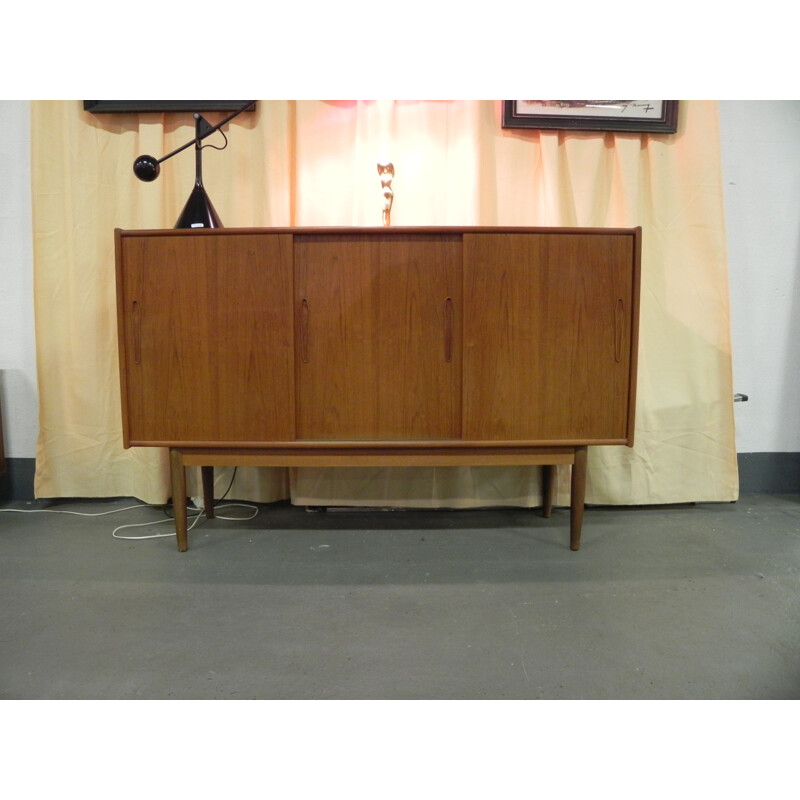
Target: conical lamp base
[[198, 211]]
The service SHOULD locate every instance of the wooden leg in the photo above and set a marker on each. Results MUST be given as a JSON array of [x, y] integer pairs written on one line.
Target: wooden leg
[[207, 474], [577, 497], [548, 487], [178, 477]]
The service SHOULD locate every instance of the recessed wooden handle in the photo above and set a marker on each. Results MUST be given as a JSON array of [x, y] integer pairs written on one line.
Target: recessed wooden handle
[[304, 330], [619, 327], [448, 330], [137, 333]]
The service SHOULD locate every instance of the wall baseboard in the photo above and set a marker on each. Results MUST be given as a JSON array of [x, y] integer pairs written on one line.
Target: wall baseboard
[[767, 473], [770, 473], [17, 483]]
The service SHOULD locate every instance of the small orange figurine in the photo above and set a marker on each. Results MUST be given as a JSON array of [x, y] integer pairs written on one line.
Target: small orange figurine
[[386, 171]]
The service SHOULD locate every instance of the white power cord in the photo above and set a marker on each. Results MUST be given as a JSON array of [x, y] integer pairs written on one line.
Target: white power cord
[[114, 533], [195, 518], [77, 513]]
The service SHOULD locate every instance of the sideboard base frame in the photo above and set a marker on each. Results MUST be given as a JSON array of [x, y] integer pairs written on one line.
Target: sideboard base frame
[[377, 456]]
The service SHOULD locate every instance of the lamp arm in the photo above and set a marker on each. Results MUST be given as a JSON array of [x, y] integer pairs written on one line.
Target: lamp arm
[[199, 136], [146, 168]]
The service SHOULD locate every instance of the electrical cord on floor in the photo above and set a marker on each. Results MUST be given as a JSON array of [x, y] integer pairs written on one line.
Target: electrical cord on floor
[[195, 518], [76, 513], [101, 514]]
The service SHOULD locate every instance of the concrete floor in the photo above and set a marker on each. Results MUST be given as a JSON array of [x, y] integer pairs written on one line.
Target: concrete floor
[[691, 602]]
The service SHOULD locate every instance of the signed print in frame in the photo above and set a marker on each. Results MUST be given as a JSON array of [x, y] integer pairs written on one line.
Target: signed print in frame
[[654, 116]]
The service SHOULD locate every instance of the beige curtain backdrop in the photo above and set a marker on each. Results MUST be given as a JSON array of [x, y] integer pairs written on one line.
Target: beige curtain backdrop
[[297, 163]]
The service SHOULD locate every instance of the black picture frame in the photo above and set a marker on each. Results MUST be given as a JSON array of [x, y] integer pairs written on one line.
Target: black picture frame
[[648, 116], [161, 106]]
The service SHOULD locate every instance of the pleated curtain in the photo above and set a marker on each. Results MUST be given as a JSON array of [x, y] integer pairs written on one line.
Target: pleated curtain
[[314, 163]]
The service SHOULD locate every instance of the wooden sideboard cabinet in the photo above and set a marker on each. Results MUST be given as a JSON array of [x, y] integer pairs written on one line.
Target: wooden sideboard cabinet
[[378, 346]]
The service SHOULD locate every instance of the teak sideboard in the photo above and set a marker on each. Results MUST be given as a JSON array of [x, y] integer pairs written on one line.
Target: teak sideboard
[[378, 346]]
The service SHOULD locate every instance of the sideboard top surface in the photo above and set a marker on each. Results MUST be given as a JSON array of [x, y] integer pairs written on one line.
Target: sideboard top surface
[[381, 231]]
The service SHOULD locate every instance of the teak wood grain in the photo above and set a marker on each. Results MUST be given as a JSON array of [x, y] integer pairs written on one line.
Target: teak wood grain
[[208, 339], [548, 327], [379, 332]]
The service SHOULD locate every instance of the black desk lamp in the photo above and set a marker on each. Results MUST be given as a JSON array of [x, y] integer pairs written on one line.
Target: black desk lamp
[[198, 211]]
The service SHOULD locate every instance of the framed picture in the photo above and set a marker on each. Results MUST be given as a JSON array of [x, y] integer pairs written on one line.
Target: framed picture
[[160, 106], [652, 116]]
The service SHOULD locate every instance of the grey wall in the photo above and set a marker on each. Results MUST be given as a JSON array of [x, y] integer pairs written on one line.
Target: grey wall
[[18, 393], [761, 172]]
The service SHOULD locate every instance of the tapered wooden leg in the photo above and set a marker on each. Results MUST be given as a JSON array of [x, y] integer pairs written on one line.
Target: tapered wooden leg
[[577, 497], [178, 478], [207, 474], [548, 487]]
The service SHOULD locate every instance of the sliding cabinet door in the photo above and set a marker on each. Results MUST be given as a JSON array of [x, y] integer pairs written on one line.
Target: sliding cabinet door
[[549, 323], [378, 336], [207, 338]]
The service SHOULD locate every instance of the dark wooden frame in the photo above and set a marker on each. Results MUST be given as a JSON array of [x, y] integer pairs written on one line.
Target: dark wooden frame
[[160, 106], [666, 122]]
